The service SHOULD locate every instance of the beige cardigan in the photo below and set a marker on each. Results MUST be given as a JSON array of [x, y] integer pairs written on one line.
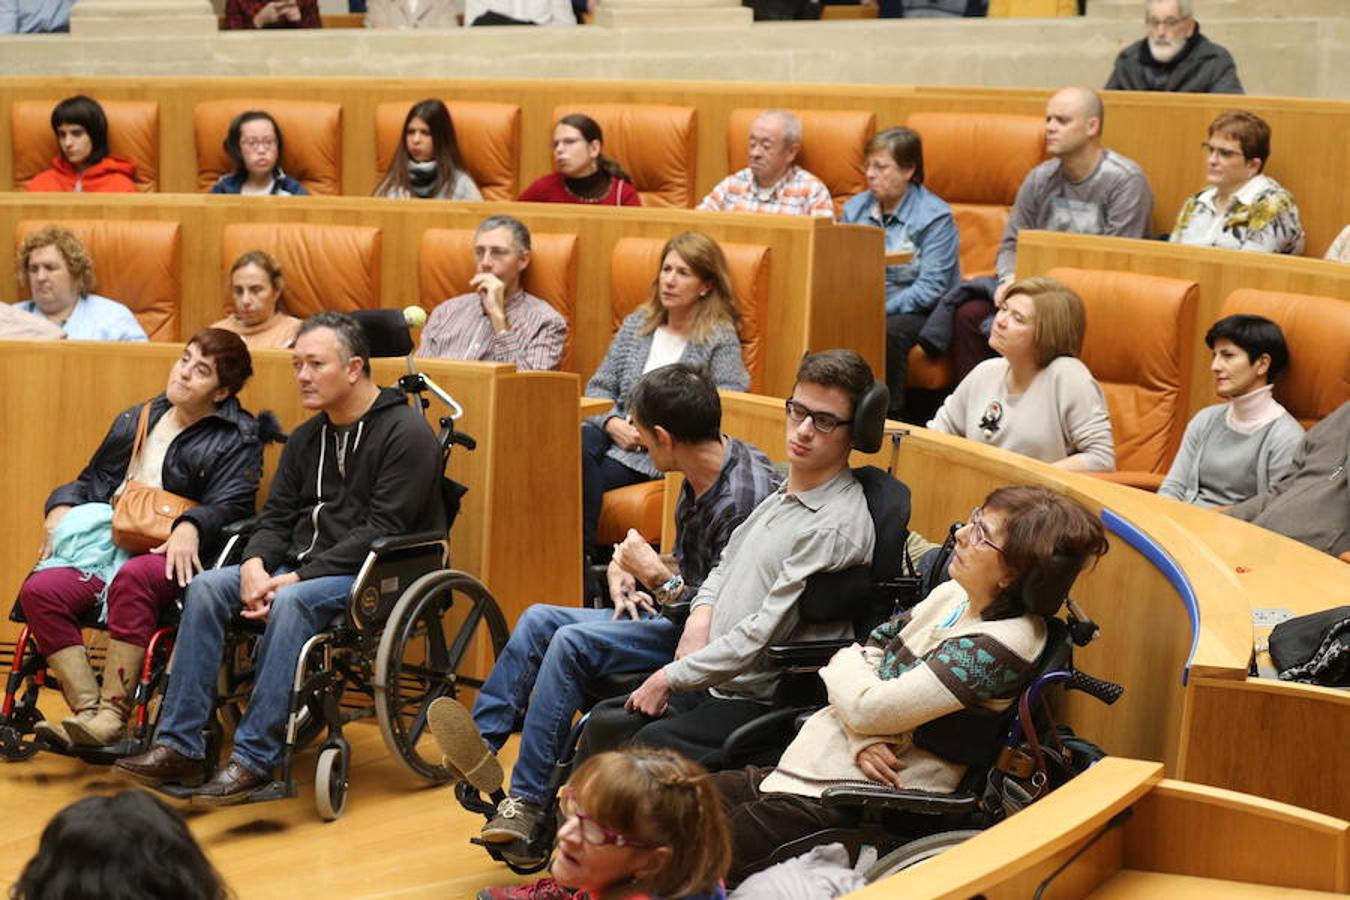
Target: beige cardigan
[[955, 660]]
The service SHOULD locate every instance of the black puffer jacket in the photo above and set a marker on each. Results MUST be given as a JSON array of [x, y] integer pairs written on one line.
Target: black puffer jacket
[[217, 462]]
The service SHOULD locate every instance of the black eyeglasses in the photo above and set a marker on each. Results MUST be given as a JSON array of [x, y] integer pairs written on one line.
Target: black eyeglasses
[[1222, 152], [821, 421]]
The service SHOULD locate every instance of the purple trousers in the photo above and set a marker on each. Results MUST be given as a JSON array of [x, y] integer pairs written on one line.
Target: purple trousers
[[54, 600]]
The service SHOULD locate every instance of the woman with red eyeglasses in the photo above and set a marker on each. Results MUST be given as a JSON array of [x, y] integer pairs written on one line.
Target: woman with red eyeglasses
[[973, 641], [640, 824]]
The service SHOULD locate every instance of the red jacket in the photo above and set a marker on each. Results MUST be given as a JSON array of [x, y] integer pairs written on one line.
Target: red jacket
[[110, 175]]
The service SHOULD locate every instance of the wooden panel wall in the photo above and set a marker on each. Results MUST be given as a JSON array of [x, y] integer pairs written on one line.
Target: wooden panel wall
[[1217, 272], [61, 398], [825, 286], [1162, 132]]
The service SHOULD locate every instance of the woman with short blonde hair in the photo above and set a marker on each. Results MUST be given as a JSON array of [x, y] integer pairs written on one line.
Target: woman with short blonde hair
[[1036, 397], [59, 275]]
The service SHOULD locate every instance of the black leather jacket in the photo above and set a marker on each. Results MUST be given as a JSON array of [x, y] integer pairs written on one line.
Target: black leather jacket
[[217, 462]]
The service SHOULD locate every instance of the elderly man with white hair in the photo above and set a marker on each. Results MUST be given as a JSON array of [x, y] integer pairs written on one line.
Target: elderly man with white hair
[[1174, 55], [772, 182]]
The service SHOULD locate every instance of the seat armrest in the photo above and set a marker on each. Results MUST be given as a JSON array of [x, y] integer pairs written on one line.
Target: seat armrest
[[1145, 481], [877, 796], [676, 611], [390, 543], [805, 654]]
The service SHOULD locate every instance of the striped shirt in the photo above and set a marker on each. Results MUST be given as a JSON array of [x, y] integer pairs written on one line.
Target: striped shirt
[[459, 329], [797, 193], [707, 521]]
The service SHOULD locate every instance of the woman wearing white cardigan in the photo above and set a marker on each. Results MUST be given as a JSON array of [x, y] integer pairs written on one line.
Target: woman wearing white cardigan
[[973, 641]]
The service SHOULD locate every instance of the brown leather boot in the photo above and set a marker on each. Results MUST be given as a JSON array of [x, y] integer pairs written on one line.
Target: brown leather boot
[[121, 672], [70, 665]]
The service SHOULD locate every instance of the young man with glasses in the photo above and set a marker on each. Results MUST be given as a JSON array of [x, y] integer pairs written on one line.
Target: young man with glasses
[[818, 521], [1174, 55]]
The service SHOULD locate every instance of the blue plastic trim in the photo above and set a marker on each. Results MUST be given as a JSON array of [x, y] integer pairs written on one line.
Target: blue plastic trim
[[1160, 558]]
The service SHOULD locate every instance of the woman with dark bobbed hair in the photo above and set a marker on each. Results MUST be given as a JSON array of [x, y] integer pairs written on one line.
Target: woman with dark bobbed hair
[[119, 847], [255, 147], [194, 440], [82, 163], [583, 174], [427, 163], [1235, 450], [972, 642]]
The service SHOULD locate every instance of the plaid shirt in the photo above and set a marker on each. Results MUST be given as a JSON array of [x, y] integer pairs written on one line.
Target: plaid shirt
[[797, 193], [705, 523], [459, 329]]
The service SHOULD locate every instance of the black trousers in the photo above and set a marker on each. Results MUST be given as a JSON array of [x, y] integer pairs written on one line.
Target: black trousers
[[761, 823], [902, 333], [695, 724]]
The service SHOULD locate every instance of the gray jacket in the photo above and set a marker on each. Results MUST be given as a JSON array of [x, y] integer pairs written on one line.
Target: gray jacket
[[622, 366], [1311, 502], [1202, 67]]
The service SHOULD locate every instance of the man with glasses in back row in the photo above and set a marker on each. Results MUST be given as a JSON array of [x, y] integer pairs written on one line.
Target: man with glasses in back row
[[772, 182], [1174, 55]]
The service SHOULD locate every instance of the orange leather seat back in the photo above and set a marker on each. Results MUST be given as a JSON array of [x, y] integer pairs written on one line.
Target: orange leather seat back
[[488, 135], [656, 145], [136, 263], [1317, 331], [976, 162], [445, 265], [326, 267], [832, 146], [1139, 346], [310, 129], [634, 265], [133, 132]]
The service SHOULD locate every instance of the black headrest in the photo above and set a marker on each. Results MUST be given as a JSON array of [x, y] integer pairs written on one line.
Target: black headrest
[[869, 417], [1045, 588], [386, 330]]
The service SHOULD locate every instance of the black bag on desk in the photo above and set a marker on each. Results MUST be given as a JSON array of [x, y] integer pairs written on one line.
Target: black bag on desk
[[1314, 649]]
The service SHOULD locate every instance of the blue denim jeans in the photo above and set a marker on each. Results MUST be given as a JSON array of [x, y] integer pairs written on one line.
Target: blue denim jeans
[[299, 612], [542, 675]]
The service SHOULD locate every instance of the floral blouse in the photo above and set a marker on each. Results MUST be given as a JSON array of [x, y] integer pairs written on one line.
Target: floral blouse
[[1261, 217]]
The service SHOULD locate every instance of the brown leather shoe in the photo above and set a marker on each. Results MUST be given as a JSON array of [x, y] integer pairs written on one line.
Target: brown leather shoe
[[230, 785], [162, 765]]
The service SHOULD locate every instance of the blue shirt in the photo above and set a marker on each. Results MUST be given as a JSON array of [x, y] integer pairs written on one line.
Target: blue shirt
[[34, 16], [282, 184], [923, 224], [96, 318]]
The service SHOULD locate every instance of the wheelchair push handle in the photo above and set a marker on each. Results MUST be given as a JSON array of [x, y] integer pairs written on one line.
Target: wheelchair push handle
[[462, 439], [1106, 691]]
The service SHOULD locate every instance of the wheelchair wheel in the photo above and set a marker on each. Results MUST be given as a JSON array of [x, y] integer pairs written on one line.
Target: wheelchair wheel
[[330, 782], [433, 646], [916, 852]]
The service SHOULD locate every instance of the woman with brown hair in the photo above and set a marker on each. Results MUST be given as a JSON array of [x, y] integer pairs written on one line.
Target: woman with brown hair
[[59, 275], [198, 443], [1036, 397], [689, 317], [256, 313], [583, 174], [972, 642], [640, 823], [427, 163]]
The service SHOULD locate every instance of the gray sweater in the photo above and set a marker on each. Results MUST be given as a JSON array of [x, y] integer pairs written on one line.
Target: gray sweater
[[622, 367], [1218, 466]]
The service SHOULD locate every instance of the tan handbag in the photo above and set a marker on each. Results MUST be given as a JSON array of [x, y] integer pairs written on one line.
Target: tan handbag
[[143, 516]]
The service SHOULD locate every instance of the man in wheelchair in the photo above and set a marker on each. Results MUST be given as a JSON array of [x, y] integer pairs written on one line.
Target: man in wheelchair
[[541, 676], [356, 471], [973, 642], [818, 521]]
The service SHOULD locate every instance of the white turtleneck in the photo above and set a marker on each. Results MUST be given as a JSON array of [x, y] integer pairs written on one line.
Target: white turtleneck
[[1254, 410]]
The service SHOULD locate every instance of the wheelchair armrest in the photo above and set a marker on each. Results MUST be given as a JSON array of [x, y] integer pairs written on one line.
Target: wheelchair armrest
[[393, 542], [759, 733], [238, 527], [877, 796], [676, 611], [801, 655]]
